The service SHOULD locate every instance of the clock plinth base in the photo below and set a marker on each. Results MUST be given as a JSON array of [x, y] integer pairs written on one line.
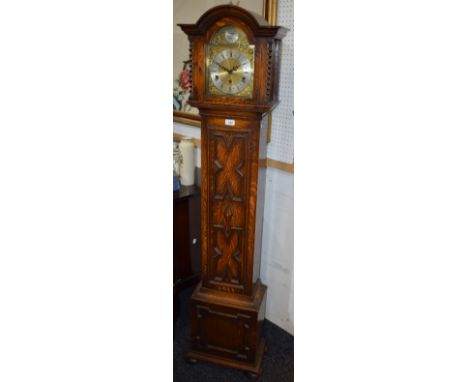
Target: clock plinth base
[[227, 330], [253, 370]]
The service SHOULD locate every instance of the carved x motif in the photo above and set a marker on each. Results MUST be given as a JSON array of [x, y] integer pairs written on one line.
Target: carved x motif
[[228, 168], [227, 257]]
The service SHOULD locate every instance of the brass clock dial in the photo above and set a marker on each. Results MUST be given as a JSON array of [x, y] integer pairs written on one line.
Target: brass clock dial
[[230, 63], [230, 71]]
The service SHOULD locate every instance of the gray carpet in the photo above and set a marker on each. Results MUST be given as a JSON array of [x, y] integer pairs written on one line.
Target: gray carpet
[[278, 362]]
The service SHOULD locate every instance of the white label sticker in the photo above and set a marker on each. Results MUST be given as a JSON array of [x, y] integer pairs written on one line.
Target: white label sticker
[[229, 122]]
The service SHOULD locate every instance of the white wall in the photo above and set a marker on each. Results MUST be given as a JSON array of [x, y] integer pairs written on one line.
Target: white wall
[[277, 268], [278, 240]]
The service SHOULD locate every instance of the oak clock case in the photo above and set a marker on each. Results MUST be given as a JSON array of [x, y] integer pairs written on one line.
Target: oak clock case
[[235, 65]]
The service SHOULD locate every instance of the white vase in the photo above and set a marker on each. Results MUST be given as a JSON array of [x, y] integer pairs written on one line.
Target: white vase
[[187, 167]]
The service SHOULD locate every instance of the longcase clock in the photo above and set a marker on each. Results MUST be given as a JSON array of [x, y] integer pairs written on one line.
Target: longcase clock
[[235, 66]]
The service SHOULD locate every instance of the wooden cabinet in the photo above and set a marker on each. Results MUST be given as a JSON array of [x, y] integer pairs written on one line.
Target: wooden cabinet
[[186, 240]]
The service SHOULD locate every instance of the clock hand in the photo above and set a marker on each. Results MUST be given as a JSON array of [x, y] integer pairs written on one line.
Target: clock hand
[[222, 67], [233, 69]]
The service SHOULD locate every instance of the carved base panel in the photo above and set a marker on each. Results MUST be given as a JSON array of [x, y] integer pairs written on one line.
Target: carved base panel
[[227, 330]]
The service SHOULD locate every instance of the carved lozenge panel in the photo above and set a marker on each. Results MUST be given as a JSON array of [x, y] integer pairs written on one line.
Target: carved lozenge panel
[[228, 166], [228, 156]]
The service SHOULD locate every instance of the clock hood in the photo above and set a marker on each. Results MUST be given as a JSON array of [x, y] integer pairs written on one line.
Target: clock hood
[[254, 21]]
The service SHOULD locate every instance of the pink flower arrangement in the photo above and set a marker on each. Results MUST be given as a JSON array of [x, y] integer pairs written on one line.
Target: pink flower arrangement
[[182, 89], [184, 79]]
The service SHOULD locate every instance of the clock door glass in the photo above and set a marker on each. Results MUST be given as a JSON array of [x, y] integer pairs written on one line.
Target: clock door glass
[[230, 63]]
